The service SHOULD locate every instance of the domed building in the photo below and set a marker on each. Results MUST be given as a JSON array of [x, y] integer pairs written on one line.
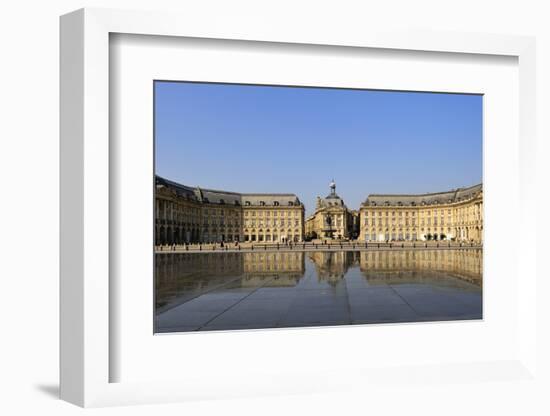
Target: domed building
[[332, 219]]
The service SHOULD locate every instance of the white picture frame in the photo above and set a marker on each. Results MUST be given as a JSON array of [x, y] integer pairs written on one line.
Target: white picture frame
[[86, 167]]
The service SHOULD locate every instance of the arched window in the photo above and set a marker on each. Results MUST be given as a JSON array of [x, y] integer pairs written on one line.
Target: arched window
[[276, 203], [247, 203]]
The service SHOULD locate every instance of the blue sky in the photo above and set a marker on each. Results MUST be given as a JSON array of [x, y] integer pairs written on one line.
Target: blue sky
[[289, 139]]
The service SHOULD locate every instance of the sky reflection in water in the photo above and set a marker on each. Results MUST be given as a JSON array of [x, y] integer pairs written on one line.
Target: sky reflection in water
[[222, 291]]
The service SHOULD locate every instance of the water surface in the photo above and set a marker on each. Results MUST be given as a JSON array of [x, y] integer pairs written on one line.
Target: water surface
[[222, 291]]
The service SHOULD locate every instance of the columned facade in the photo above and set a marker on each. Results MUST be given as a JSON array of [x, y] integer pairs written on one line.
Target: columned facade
[[332, 219], [453, 215], [187, 214]]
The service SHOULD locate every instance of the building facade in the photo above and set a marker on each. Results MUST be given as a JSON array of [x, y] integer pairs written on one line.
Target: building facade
[[332, 219], [185, 214], [451, 215]]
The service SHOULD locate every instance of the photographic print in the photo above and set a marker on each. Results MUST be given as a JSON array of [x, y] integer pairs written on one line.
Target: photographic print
[[291, 206]]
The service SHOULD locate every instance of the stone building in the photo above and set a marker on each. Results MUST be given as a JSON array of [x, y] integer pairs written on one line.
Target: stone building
[[452, 215], [185, 214], [332, 218]]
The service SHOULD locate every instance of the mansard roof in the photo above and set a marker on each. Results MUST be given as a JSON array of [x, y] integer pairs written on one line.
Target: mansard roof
[[215, 196], [454, 195], [270, 199], [181, 190]]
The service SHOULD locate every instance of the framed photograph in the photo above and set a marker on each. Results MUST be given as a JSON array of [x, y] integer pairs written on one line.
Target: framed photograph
[[228, 260], [262, 199]]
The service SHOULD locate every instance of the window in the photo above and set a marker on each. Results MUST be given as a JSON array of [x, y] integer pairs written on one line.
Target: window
[[276, 203]]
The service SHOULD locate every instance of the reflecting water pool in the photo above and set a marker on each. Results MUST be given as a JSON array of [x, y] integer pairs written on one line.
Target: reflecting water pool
[[222, 291]]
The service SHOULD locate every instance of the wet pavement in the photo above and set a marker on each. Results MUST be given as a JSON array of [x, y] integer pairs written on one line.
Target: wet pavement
[[202, 292]]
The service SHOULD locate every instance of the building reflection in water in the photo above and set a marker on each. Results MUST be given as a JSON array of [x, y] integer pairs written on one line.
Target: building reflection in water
[[181, 277], [332, 266], [184, 276], [412, 266]]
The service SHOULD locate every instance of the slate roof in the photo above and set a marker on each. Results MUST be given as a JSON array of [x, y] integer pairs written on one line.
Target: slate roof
[[214, 196], [182, 190], [445, 197]]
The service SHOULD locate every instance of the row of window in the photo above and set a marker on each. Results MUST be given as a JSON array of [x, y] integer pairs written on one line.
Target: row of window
[[275, 203], [272, 238], [252, 223], [427, 221], [275, 213], [380, 230], [472, 209], [404, 236], [249, 203]]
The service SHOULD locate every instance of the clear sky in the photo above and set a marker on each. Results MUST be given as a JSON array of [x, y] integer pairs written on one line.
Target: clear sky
[[248, 138]]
